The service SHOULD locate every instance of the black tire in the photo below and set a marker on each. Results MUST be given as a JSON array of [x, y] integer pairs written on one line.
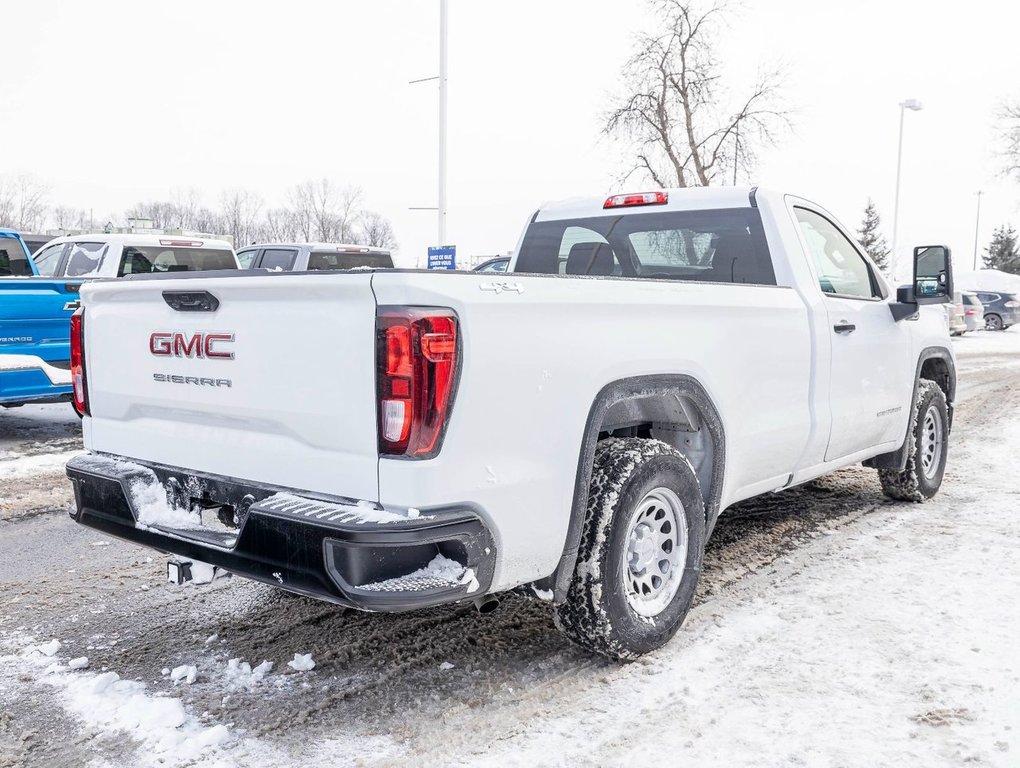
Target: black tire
[[921, 478], [993, 322], [597, 614]]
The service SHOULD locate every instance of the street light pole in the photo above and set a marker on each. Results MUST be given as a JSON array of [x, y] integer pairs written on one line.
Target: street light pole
[[915, 105], [443, 19], [977, 225]]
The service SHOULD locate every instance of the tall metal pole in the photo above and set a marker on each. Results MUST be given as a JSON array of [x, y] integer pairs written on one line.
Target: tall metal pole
[[442, 121], [977, 225], [896, 204]]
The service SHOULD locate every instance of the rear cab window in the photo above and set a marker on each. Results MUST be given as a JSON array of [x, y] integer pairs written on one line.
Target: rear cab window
[[13, 258], [85, 259], [324, 260], [721, 246], [143, 259]]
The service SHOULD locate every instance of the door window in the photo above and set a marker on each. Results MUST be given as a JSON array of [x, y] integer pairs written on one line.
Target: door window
[[842, 271], [278, 259], [48, 260], [245, 258]]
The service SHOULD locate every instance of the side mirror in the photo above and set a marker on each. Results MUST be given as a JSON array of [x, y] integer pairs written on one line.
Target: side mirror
[[932, 283], [933, 275]]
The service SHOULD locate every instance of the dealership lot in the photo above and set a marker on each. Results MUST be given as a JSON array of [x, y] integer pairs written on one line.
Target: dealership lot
[[802, 591]]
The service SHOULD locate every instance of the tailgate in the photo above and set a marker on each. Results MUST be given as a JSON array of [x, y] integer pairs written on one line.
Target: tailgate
[[276, 385], [34, 316]]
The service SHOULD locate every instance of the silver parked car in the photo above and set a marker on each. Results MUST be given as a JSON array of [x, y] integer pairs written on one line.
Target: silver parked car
[[973, 311]]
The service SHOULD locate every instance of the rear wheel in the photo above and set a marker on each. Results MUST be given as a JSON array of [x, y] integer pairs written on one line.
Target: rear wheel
[[928, 449], [993, 322], [640, 553]]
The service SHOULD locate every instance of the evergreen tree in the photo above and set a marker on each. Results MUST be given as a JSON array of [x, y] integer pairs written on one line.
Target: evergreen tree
[[1002, 252], [873, 240]]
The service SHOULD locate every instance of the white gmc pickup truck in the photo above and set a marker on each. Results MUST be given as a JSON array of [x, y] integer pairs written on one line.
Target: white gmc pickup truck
[[397, 439]]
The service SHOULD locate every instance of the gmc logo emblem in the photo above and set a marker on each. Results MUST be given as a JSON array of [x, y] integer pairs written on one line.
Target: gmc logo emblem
[[198, 345]]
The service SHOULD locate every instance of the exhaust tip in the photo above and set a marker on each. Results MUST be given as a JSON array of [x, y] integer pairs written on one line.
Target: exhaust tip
[[486, 604]]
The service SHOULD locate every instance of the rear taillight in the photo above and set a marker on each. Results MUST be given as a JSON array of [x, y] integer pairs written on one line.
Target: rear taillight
[[80, 396], [970, 312], [416, 374], [1012, 304]]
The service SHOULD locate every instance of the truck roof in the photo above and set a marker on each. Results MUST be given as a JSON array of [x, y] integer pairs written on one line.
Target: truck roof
[[144, 240], [343, 247], [678, 199]]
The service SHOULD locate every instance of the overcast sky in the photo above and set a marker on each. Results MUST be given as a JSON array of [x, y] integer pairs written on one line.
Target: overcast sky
[[110, 103]]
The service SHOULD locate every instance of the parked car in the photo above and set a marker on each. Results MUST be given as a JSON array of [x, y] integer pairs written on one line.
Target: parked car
[[35, 312], [498, 264], [102, 255], [336, 438], [309, 257], [956, 318], [1001, 309], [973, 311]]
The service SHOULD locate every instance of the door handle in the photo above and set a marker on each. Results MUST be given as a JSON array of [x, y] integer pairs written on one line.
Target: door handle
[[844, 327]]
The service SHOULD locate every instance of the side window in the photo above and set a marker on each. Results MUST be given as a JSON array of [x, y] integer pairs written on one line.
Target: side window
[[245, 258], [278, 259], [85, 259], [48, 260], [842, 271]]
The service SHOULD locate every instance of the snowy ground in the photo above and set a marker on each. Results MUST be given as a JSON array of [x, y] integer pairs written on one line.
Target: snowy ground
[[832, 628]]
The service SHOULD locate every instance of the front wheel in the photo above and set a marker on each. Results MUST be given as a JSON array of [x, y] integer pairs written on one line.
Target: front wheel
[[928, 449], [993, 323], [640, 553]]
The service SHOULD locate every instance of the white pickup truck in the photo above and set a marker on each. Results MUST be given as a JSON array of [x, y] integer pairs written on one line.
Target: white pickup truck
[[397, 439]]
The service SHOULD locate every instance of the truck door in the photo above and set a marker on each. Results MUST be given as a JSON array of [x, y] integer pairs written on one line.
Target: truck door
[[871, 370]]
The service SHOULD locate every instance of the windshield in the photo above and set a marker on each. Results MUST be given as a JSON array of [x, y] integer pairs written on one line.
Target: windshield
[[13, 259], [721, 246], [141, 259]]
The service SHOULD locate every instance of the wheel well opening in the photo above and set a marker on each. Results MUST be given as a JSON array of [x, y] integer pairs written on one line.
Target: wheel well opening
[[936, 369], [674, 419]]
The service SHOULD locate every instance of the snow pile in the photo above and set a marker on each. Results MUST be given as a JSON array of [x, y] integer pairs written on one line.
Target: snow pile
[[241, 675], [439, 569], [149, 502], [168, 733], [46, 649], [986, 280], [302, 662], [26, 466], [186, 673]]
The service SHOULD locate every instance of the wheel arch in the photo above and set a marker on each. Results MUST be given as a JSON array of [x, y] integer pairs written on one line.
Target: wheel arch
[[675, 408], [935, 363]]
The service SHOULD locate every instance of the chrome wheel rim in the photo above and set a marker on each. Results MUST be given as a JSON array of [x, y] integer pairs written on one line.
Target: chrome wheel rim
[[655, 553], [931, 441]]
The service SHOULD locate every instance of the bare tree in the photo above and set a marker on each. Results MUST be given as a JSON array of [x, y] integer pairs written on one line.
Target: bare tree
[[278, 226], [22, 203], [684, 132], [239, 213], [1010, 119], [323, 211], [377, 231]]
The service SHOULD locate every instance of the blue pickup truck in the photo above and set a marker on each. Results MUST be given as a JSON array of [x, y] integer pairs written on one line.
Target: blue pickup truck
[[35, 317]]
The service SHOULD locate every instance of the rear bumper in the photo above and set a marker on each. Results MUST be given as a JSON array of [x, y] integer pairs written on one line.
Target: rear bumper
[[331, 549], [27, 379]]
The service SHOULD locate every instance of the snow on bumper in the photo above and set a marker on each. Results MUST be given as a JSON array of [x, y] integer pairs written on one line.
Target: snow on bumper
[[24, 378], [348, 553]]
